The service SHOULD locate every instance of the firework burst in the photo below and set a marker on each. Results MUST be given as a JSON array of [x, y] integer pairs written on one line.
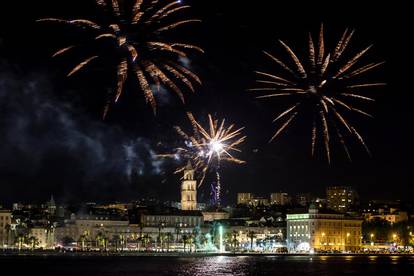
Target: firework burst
[[136, 27], [206, 148], [325, 83]]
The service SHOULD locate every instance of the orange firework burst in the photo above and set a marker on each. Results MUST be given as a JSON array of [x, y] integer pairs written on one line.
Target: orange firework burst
[[137, 27], [324, 83]]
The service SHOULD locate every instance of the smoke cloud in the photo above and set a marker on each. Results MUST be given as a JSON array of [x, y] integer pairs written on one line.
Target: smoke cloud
[[48, 147]]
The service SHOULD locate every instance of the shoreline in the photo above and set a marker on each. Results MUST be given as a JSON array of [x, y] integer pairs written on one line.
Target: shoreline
[[190, 255]]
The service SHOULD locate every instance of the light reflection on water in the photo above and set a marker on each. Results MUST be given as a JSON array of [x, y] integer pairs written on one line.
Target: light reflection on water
[[211, 265], [297, 265], [349, 258], [218, 265]]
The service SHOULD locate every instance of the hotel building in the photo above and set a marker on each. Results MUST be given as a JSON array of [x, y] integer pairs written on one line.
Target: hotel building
[[317, 231]]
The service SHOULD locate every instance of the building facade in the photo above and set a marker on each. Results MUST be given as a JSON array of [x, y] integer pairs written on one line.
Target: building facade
[[172, 218], [90, 230], [341, 198], [251, 199], [215, 215], [244, 198], [5, 222], [317, 232], [303, 199], [279, 198], [43, 237]]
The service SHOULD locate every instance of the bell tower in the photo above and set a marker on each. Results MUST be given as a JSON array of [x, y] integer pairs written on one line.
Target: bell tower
[[188, 189]]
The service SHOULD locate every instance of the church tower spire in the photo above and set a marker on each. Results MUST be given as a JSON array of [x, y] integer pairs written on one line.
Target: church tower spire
[[188, 189]]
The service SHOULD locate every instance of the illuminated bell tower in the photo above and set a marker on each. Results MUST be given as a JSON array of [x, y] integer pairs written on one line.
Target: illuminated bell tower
[[189, 189]]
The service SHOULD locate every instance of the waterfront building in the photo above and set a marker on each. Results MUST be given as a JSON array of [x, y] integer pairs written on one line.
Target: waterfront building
[[391, 217], [91, 227], [240, 236], [251, 200], [279, 199], [341, 198], [244, 198], [259, 201], [17, 206], [41, 237], [255, 238], [212, 215], [170, 217], [303, 199], [317, 231], [390, 211], [5, 223]]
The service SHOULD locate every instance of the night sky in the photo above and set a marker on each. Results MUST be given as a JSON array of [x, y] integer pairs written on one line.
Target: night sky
[[53, 141]]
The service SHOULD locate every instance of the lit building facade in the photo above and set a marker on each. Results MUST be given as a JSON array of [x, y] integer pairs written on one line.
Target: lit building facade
[[172, 218], [392, 218], [90, 227], [44, 237], [244, 198], [315, 232], [279, 199], [250, 199], [215, 215], [5, 222], [189, 189], [258, 239], [341, 198]]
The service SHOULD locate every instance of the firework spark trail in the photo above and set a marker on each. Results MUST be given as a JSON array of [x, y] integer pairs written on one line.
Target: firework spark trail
[[324, 81], [206, 148], [137, 29]]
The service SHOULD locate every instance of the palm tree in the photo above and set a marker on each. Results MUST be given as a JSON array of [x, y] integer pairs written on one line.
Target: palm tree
[[124, 241], [193, 242], [177, 231], [33, 242], [146, 239], [105, 243], [137, 239], [186, 239], [170, 236], [21, 233], [196, 237], [163, 237], [116, 239], [160, 227], [82, 239], [20, 240], [101, 241], [251, 235], [234, 241], [141, 227], [8, 231], [50, 228]]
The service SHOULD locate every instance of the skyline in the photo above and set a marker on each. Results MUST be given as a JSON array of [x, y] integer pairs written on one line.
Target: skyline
[[73, 154]]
